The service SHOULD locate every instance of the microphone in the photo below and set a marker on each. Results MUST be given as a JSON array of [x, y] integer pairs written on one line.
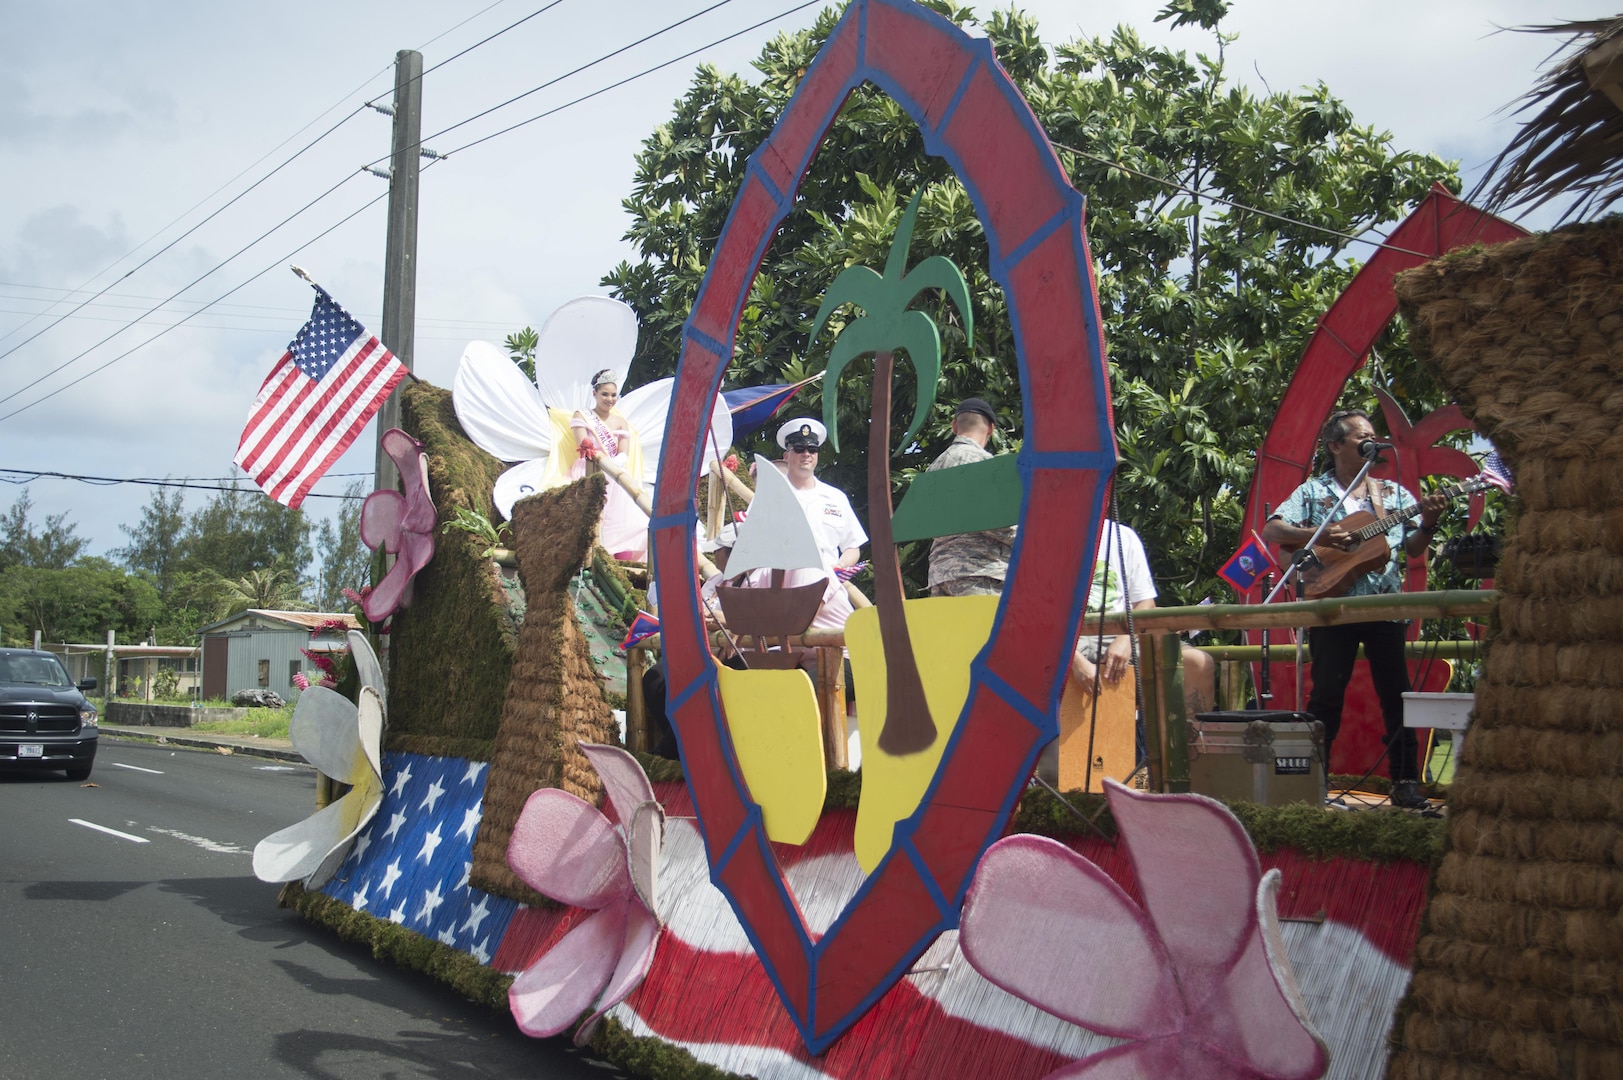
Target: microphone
[[1369, 447]]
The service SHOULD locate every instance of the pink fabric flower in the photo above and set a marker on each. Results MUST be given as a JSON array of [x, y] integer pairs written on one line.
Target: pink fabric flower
[[402, 525], [564, 848], [1197, 979]]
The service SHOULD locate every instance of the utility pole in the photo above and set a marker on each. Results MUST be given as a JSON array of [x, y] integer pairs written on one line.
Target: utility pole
[[400, 257]]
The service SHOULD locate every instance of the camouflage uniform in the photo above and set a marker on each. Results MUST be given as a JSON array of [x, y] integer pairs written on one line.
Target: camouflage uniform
[[968, 564]]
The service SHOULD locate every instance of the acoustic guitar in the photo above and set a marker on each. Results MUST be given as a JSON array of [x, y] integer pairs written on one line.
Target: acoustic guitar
[[1330, 571]]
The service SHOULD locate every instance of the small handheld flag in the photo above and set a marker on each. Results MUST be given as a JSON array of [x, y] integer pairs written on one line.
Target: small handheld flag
[[1248, 565], [1497, 473], [643, 626], [332, 379]]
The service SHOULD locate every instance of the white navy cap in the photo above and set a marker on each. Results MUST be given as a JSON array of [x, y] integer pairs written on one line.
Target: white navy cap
[[802, 430]]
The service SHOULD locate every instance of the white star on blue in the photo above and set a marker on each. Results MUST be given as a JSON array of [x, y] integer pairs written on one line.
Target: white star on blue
[[411, 868], [325, 338]]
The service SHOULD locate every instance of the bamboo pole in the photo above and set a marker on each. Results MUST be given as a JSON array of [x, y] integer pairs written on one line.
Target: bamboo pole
[[831, 704], [1332, 611], [1286, 654], [638, 737], [1453, 603]]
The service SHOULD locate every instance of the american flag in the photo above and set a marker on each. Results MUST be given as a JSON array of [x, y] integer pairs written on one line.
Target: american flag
[[1497, 473], [325, 388], [411, 866]]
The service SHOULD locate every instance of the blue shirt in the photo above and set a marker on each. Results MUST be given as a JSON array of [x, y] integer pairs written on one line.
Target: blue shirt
[[1321, 498]]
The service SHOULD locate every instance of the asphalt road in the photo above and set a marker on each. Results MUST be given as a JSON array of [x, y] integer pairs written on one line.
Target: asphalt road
[[135, 942]]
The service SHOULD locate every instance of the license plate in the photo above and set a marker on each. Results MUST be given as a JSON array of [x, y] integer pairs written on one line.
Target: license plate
[[31, 750]]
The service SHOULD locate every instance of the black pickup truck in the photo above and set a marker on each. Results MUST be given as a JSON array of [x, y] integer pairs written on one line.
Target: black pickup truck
[[45, 721]]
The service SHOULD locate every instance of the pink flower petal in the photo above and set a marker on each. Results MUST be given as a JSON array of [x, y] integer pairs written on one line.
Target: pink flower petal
[[1157, 1059], [562, 847], [390, 595], [1053, 929], [1257, 1018], [557, 988], [381, 515], [420, 514], [645, 835], [636, 957], [640, 814], [1198, 874], [416, 550], [624, 781]]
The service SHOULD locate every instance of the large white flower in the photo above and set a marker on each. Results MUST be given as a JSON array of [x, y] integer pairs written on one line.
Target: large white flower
[[345, 741], [512, 419]]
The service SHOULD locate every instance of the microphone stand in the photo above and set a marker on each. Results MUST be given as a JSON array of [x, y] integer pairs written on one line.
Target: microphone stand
[[1265, 685]]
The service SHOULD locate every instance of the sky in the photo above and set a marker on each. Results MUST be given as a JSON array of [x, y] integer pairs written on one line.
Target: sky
[[122, 125]]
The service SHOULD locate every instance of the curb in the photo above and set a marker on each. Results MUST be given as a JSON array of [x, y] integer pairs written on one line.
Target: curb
[[249, 747]]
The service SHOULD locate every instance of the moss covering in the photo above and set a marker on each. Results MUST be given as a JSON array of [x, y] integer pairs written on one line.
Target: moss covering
[[451, 650], [407, 948], [444, 746], [650, 1057]]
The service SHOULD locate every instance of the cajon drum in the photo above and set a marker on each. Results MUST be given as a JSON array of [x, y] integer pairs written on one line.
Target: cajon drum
[[1115, 751]]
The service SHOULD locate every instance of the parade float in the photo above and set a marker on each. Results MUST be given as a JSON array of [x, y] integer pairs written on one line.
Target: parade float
[[753, 909]]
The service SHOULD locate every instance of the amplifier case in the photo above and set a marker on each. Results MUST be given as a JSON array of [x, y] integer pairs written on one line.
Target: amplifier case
[[1270, 758]]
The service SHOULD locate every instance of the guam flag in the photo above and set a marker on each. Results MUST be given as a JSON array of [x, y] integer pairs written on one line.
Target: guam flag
[[1248, 565], [643, 626]]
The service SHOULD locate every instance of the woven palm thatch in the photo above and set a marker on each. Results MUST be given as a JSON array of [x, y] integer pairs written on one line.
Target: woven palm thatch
[[1519, 968], [554, 699], [1573, 144]]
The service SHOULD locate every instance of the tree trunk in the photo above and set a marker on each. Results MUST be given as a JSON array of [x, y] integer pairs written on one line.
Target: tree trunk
[[909, 728]]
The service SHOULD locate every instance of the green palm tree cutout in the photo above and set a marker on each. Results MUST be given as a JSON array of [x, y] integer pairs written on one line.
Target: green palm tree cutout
[[885, 326]]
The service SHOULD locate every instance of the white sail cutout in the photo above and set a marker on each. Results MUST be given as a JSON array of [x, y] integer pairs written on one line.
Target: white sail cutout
[[775, 535]]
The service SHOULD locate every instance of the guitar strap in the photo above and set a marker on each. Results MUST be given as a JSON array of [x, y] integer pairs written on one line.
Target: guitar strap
[[1375, 490]]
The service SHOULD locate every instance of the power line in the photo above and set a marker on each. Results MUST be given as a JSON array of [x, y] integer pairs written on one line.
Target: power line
[[589, 64], [632, 78], [282, 314], [217, 266], [222, 209], [342, 221], [114, 481], [240, 195]]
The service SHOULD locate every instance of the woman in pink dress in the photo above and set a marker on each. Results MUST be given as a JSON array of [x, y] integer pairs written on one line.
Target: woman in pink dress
[[624, 528]]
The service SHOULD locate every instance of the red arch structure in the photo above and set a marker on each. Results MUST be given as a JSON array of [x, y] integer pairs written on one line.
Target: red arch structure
[[1340, 345], [971, 115]]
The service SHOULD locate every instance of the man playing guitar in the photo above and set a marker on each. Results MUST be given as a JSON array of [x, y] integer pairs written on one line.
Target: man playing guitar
[[1335, 648]]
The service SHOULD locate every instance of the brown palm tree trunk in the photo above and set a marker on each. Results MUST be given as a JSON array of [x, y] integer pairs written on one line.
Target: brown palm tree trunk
[[908, 726]]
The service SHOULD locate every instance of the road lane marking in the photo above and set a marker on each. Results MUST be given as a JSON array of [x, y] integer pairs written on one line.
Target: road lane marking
[[137, 768], [274, 768], [201, 841], [109, 832]]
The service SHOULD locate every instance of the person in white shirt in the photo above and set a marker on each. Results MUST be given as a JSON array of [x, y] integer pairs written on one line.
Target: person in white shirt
[[834, 523]]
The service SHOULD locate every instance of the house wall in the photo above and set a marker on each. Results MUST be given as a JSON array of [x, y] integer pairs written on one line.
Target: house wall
[[280, 648]]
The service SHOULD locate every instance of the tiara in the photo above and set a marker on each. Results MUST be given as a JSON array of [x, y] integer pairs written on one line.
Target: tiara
[[604, 376]]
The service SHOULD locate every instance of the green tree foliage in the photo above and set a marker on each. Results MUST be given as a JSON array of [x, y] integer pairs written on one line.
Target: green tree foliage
[[51, 548], [271, 589], [78, 603], [1206, 308], [521, 347], [345, 561], [154, 546], [239, 531]]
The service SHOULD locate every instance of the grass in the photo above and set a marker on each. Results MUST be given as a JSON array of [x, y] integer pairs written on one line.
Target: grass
[[262, 723]]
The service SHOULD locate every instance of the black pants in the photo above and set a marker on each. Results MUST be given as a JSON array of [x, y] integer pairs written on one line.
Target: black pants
[[1335, 649]]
